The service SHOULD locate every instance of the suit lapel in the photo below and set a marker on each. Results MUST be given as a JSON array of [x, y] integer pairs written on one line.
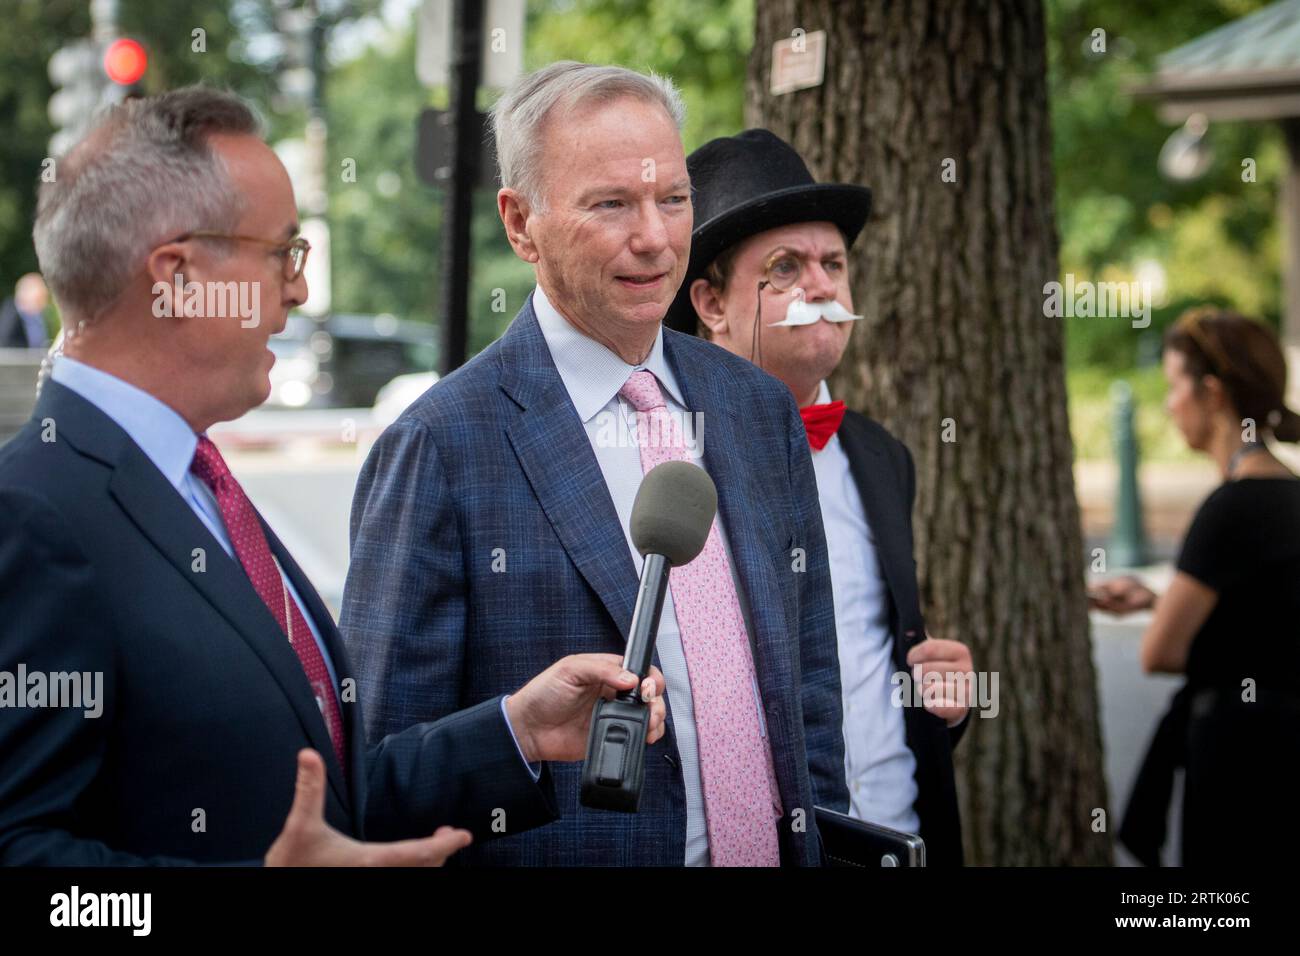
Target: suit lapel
[[728, 460], [553, 449], [885, 508], [167, 522]]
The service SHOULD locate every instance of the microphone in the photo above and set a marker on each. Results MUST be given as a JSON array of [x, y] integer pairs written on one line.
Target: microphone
[[671, 518]]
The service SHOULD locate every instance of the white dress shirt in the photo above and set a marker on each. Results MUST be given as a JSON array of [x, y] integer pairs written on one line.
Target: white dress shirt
[[878, 764], [593, 375]]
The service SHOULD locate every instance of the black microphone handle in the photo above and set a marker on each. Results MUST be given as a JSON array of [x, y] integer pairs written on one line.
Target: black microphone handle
[[645, 620]]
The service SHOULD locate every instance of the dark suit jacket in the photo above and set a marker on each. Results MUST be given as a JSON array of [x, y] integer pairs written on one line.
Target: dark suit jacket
[[13, 333], [205, 704], [493, 465], [886, 480]]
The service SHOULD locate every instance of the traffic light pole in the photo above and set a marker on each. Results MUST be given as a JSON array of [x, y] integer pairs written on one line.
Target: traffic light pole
[[103, 16], [77, 71], [466, 68]]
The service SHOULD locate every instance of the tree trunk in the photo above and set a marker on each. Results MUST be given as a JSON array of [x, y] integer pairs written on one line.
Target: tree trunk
[[956, 358]]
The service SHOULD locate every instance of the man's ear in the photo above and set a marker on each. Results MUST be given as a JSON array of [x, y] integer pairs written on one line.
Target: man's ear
[[708, 305], [164, 264], [515, 212]]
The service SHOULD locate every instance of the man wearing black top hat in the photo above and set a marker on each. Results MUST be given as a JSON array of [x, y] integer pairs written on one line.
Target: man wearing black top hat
[[768, 280]]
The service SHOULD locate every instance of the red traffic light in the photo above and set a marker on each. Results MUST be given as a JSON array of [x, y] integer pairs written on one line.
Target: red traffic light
[[125, 62]]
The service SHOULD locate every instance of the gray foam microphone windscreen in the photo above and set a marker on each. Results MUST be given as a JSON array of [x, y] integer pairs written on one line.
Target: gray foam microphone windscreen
[[673, 511]]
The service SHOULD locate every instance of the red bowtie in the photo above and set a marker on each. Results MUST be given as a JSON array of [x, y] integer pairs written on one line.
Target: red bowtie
[[821, 422]]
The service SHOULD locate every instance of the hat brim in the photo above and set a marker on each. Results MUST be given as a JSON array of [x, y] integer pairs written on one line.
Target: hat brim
[[847, 206]]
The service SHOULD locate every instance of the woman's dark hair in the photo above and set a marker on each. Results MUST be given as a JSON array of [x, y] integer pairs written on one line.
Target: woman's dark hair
[[1245, 356]]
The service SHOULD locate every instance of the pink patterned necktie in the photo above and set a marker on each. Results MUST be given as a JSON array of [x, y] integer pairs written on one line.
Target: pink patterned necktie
[[249, 542], [741, 800]]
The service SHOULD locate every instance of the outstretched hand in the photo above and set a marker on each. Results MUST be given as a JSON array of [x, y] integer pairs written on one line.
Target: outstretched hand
[[307, 840]]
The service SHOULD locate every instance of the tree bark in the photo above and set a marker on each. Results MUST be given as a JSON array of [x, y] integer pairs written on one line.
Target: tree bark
[[957, 359]]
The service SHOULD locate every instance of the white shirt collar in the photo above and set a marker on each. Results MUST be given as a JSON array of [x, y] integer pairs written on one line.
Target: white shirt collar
[[823, 393], [591, 373], [165, 438]]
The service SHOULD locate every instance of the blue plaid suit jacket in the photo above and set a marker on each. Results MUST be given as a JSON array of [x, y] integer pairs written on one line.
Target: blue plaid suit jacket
[[493, 465]]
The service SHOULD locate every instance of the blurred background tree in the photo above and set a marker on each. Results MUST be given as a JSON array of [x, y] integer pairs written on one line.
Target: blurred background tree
[[1214, 239], [32, 32], [35, 29]]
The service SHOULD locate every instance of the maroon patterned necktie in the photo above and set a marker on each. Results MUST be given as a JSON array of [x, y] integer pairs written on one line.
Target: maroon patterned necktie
[[255, 555]]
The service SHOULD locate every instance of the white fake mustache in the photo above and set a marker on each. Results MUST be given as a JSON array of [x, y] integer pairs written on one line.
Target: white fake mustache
[[806, 313]]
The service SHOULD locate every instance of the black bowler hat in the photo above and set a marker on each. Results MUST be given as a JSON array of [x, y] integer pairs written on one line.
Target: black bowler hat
[[747, 184]]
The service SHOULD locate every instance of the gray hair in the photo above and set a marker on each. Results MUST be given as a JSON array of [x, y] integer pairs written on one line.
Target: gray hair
[[518, 117], [142, 175]]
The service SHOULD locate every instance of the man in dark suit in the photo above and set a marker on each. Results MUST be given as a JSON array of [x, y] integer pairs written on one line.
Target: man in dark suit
[[768, 280], [172, 689], [490, 525], [22, 317]]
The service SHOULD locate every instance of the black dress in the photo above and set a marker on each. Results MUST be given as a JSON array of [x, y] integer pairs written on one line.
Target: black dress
[[1234, 724]]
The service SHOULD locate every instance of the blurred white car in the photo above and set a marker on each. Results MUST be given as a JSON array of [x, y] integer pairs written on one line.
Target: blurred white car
[[342, 360], [397, 395]]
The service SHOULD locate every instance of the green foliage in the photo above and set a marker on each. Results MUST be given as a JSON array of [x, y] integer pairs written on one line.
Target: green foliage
[[387, 242], [1091, 415], [33, 30], [1217, 238], [386, 226], [702, 47], [167, 28]]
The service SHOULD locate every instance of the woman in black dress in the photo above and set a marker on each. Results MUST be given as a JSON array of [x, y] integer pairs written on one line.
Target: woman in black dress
[[1230, 619]]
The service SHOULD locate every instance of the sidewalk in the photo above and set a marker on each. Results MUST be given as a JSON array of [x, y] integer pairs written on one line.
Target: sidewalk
[[1171, 493]]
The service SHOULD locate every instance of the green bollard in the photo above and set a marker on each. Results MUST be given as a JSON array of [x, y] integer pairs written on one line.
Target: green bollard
[[1128, 540]]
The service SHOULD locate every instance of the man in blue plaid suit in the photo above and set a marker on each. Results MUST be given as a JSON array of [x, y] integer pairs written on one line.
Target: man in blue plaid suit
[[490, 524]]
